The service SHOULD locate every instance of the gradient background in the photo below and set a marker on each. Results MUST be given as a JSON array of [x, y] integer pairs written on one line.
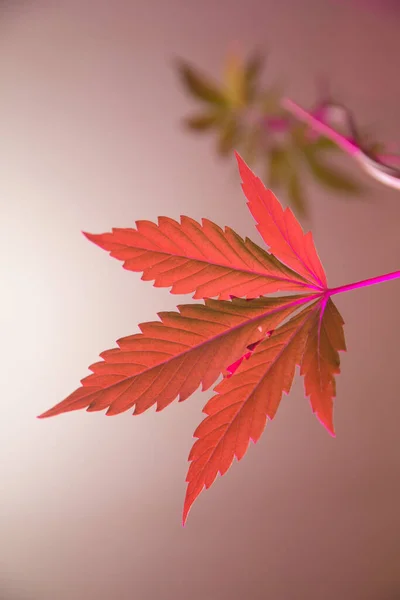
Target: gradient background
[[90, 507]]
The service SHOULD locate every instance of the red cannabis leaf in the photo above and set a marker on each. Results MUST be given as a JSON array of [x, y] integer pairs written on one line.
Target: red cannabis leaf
[[255, 342]]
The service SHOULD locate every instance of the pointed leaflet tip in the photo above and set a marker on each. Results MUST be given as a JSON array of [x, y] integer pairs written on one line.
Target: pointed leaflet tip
[[328, 426], [96, 238], [243, 167], [186, 510], [47, 414], [87, 235]]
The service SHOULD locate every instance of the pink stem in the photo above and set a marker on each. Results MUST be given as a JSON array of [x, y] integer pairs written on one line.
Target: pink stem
[[364, 283], [317, 125], [390, 158], [345, 144]]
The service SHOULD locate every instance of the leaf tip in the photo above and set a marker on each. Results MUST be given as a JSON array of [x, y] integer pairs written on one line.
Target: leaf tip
[[245, 172], [185, 514], [46, 414], [328, 424], [190, 498], [241, 163], [92, 237]]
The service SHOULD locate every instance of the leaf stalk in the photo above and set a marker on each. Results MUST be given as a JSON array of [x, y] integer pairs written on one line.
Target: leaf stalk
[[364, 283]]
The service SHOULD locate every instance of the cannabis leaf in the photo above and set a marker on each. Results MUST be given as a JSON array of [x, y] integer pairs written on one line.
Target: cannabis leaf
[[255, 342], [223, 105]]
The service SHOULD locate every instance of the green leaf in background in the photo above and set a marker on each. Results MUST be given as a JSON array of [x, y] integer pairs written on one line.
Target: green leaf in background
[[251, 144], [251, 119], [252, 72], [312, 154], [282, 167], [277, 166], [323, 143], [270, 101], [328, 176], [228, 136], [296, 195], [234, 81], [241, 79], [202, 122], [254, 66], [200, 86]]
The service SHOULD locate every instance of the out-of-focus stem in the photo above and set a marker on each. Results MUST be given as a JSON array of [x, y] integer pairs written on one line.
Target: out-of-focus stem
[[320, 127]]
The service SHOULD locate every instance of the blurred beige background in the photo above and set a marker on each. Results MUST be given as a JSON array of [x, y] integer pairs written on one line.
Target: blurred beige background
[[90, 507]]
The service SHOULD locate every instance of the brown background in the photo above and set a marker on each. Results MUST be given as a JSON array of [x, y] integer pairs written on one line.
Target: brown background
[[90, 507]]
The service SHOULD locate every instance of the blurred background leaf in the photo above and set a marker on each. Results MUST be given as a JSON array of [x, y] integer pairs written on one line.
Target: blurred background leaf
[[202, 122], [296, 194], [246, 117], [253, 70], [277, 166], [314, 154], [329, 176], [199, 86], [234, 81], [228, 136]]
